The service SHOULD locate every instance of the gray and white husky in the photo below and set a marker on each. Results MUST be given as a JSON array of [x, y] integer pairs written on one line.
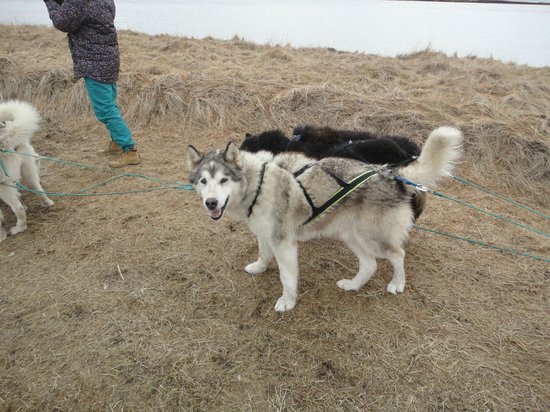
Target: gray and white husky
[[18, 123], [289, 198]]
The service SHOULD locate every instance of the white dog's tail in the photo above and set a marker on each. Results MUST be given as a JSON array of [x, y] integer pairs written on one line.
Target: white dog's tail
[[439, 154], [18, 122]]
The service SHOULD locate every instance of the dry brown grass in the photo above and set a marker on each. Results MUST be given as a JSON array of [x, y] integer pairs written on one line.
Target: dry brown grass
[[140, 302]]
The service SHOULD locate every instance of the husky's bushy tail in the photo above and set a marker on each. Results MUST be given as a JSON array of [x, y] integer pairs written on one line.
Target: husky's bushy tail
[[438, 157], [18, 123]]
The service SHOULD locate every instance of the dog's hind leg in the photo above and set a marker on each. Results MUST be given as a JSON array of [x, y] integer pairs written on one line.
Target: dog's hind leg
[[3, 234], [286, 253], [367, 264], [30, 172], [396, 256], [11, 197], [265, 255]]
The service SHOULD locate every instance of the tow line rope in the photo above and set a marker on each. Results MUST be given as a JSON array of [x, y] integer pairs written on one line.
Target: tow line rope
[[474, 207], [470, 183], [479, 242], [166, 185]]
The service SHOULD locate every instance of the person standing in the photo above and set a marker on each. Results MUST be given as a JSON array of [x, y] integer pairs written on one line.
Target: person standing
[[93, 43]]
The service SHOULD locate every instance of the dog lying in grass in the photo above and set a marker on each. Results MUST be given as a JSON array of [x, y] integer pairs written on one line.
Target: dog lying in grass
[[321, 142]]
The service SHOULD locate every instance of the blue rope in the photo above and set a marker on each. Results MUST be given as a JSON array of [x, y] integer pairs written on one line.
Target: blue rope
[[478, 187], [3, 168], [479, 209], [83, 192], [479, 242], [487, 212], [80, 194]]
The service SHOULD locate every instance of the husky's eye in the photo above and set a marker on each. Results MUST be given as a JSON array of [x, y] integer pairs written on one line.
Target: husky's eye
[[203, 181], [223, 180]]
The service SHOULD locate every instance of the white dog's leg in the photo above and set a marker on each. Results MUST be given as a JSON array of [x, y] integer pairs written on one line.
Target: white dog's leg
[[11, 197], [367, 265], [286, 253], [265, 255], [31, 174], [3, 234], [397, 258]]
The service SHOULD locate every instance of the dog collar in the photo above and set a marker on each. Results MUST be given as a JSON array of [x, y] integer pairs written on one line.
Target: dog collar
[[258, 189]]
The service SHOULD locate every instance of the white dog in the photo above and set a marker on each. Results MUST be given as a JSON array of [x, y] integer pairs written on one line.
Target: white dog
[[18, 123], [289, 198]]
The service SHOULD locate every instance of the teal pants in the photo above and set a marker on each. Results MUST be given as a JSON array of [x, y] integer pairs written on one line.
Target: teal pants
[[103, 99]]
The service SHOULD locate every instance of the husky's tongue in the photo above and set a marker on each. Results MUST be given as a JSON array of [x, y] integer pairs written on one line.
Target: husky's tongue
[[216, 214]]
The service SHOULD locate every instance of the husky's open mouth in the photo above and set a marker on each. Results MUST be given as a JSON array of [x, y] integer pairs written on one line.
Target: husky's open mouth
[[217, 214]]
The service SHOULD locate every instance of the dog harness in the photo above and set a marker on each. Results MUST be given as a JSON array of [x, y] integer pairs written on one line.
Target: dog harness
[[262, 173], [346, 188]]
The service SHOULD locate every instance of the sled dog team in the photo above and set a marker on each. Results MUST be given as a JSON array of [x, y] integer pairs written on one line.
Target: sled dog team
[[321, 182]]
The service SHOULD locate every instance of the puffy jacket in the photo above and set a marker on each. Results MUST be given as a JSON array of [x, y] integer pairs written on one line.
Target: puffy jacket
[[92, 36]]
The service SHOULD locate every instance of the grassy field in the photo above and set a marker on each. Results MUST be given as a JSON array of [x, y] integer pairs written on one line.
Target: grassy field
[[140, 302]]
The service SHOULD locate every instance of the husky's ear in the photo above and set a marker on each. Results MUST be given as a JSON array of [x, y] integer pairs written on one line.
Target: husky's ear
[[232, 154], [246, 136], [193, 157]]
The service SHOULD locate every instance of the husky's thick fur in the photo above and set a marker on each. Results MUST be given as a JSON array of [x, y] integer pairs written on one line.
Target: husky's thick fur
[[18, 123], [278, 195]]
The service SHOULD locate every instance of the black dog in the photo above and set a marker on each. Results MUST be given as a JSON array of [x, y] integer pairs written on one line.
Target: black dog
[[320, 142], [274, 141]]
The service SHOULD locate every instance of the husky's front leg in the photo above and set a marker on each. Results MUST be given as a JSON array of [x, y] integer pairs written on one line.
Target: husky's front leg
[[11, 197], [265, 255], [286, 253], [3, 234]]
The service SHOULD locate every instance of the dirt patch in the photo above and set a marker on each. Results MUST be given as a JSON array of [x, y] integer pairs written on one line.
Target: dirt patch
[[141, 302]]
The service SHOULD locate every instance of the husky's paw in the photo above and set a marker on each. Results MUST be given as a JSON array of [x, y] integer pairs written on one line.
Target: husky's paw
[[47, 203], [348, 284], [255, 268], [18, 229], [3, 234], [284, 303], [396, 287]]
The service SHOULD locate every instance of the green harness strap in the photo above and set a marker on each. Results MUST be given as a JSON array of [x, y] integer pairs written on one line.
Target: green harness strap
[[346, 188]]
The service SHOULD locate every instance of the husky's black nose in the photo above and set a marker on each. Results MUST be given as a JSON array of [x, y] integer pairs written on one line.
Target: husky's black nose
[[211, 203]]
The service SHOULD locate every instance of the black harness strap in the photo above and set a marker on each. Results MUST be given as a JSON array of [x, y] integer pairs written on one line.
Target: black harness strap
[[302, 170], [340, 147], [258, 189], [345, 189], [341, 194]]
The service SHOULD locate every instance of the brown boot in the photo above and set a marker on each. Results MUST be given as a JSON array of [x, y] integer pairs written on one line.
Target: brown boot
[[131, 157], [113, 148]]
